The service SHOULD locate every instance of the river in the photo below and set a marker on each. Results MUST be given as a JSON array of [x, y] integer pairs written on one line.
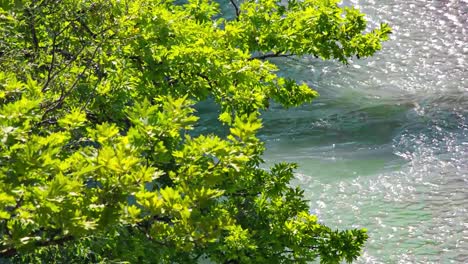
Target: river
[[385, 147]]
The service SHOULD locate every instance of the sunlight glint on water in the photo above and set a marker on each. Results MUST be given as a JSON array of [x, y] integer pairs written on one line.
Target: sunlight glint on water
[[386, 145]]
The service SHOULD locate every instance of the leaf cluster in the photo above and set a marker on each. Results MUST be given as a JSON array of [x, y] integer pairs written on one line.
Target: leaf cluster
[[97, 161]]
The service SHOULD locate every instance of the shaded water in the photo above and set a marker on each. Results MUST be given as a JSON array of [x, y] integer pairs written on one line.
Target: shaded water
[[385, 147]]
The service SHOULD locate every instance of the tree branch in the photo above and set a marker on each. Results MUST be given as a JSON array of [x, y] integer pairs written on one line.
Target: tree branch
[[271, 55], [8, 253], [86, 28], [32, 28], [58, 103], [11, 252], [52, 64], [71, 57], [233, 2]]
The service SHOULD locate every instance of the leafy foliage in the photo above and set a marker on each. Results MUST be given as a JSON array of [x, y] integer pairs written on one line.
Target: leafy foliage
[[96, 105]]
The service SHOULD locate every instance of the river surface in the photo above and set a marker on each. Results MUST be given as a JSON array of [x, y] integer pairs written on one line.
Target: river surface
[[385, 147]]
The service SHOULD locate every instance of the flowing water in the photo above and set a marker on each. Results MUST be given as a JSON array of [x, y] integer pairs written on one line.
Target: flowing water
[[385, 147]]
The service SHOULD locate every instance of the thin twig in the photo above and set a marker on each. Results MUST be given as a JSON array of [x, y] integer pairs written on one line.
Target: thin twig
[[72, 58], [236, 8], [32, 26], [64, 94], [52, 64]]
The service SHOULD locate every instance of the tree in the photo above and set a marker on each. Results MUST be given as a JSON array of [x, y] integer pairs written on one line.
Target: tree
[[97, 161]]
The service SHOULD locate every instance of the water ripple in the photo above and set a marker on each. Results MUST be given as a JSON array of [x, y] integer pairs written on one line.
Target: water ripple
[[386, 146]]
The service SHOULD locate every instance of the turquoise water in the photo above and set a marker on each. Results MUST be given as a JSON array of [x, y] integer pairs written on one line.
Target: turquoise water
[[385, 147]]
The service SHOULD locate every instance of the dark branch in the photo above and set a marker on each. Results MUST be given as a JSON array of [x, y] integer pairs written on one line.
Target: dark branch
[[233, 2], [71, 57], [271, 55], [8, 253], [52, 64], [11, 252], [32, 28], [86, 28], [59, 241], [64, 94]]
